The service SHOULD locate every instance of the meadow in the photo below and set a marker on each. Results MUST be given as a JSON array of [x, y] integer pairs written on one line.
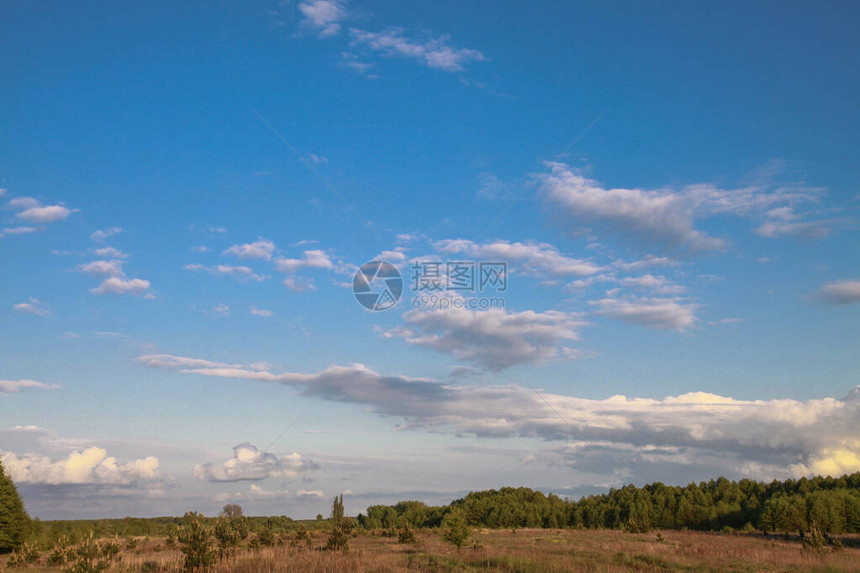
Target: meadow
[[522, 550]]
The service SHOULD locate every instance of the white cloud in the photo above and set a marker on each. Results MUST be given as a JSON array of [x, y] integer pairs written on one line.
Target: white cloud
[[840, 292], [313, 259], [434, 53], [45, 214], [86, 466], [493, 338], [299, 284], [111, 268], [800, 229], [658, 313], [658, 284], [22, 203], [248, 463], [170, 361], [240, 273], [316, 159], [324, 16], [119, 285], [33, 211], [34, 306], [260, 249], [260, 311], [221, 309], [540, 259], [799, 436], [109, 253], [20, 230], [15, 386], [102, 234], [660, 216], [666, 217]]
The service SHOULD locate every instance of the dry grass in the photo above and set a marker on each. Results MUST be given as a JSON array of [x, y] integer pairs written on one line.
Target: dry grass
[[522, 551]]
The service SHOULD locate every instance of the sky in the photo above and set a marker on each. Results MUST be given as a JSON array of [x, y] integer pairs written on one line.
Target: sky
[[627, 236]]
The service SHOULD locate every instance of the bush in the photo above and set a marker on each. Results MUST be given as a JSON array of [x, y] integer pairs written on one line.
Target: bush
[[230, 532], [90, 556], [25, 555], [195, 541], [406, 534], [61, 552], [455, 529], [341, 527]]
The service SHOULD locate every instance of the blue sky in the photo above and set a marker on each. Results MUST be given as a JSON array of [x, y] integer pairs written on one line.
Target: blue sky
[[189, 190]]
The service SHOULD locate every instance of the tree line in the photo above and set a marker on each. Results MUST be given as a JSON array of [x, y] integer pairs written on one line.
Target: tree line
[[829, 504]]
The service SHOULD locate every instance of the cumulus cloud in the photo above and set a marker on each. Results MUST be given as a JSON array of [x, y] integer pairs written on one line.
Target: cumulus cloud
[[657, 313], [91, 465], [658, 284], [248, 463], [109, 253], [436, 53], [540, 259], [111, 268], [120, 285], [33, 306], [34, 212], [44, 214], [494, 338], [19, 230], [324, 16], [312, 259], [840, 292], [260, 249], [666, 217], [254, 311], [101, 234], [116, 282], [660, 216], [240, 273], [801, 437], [15, 386]]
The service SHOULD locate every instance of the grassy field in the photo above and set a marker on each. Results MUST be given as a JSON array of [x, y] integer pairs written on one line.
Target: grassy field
[[534, 550]]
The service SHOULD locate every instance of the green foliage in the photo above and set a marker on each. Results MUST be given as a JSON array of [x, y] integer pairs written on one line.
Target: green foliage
[[264, 537], [91, 556], [26, 554], [341, 527], [302, 537], [833, 504], [230, 532], [455, 528], [14, 521], [406, 534], [61, 552], [195, 542]]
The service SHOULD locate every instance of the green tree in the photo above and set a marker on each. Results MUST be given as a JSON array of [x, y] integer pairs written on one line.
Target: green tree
[[195, 540], [455, 528], [14, 521], [341, 527]]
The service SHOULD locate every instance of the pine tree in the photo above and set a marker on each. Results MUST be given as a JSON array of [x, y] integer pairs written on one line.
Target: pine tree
[[14, 521]]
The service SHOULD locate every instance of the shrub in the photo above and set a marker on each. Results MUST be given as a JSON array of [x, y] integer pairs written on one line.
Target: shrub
[[25, 555], [195, 541], [61, 551], [406, 534], [91, 556], [455, 529], [341, 527]]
